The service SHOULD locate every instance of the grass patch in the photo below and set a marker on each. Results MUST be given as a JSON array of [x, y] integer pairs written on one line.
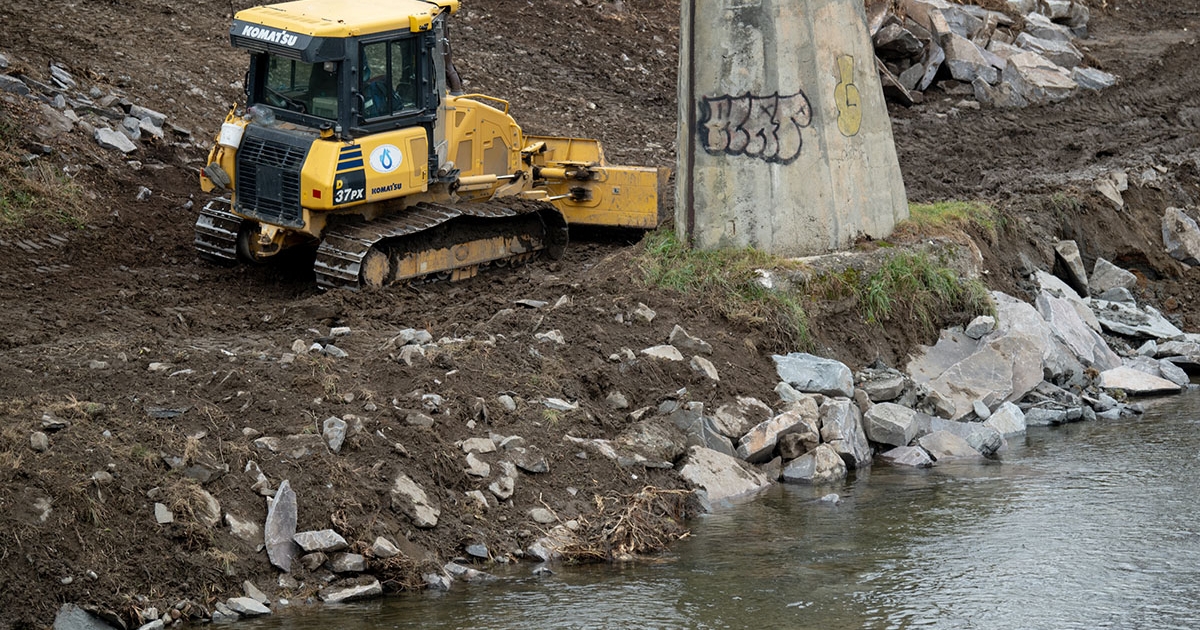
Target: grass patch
[[36, 193], [920, 284], [948, 217], [728, 280]]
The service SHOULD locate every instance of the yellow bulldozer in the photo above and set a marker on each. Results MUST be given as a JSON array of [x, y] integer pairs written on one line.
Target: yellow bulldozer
[[356, 137]]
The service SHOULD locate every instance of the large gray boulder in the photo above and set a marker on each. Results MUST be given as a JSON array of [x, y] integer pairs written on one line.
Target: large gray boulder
[[944, 446], [821, 465], [815, 375], [280, 528], [1041, 27], [722, 477], [1085, 344], [1093, 79], [1130, 320], [1181, 236], [698, 429], [984, 439], [1007, 419], [1106, 275], [1004, 365], [1037, 79], [911, 456], [967, 62], [734, 419], [881, 385], [841, 430], [1055, 286], [889, 423], [1136, 382], [758, 444]]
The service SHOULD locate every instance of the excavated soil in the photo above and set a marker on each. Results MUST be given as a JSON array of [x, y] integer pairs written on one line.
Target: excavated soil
[[86, 310]]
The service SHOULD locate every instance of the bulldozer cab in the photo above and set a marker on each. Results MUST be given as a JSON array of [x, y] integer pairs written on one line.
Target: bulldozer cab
[[356, 69]]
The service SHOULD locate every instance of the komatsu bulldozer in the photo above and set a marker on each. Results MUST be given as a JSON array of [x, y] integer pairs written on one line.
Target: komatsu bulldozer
[[356, 137]]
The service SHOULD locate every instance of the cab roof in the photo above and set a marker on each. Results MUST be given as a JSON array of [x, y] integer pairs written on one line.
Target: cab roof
[[342, 18]]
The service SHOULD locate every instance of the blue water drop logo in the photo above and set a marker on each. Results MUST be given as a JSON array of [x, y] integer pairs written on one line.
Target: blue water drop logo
[[386, 158]]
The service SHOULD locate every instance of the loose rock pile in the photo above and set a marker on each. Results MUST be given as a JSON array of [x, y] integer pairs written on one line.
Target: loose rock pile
[[1025, 55], [68, 106]]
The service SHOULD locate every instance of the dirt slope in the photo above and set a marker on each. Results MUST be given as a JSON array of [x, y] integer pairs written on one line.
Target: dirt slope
[[127, 291]]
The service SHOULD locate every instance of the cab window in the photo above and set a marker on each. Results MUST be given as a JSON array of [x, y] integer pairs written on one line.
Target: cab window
[[388, 72], [308, 88]]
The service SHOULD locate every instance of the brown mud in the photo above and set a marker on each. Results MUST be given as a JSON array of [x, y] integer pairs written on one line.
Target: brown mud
[[127, 290]]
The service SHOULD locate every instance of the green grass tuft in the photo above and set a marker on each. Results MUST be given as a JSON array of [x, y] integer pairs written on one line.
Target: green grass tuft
[[946, 217], [728, 280], [34, 193]]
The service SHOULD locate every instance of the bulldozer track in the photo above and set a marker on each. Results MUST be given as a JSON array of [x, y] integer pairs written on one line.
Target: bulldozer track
[[344, 246], [217, 232]]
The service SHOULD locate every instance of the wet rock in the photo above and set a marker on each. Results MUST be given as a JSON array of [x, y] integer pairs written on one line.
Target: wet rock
[[163, 515], [1093, 79], [944, 446], [39, 442], [822, 465], [246, 530], [1173, 373], [247, 607], [72, 617], [157, 624], [410, 499], [813, 374], [478, 551], [889, 423], [1133, 321], [333, 430], [324, 540], [912, 456], [255, 593], [1135, 382], [1046, 415], [437, 581], [1181, 236], [347, 563], [980, 326], [841, 429], [733, 420], [722, 477], [664, 352], [1106, 275], [281, 527], [758, 444], [466, 574], [705, 367], [984, 439], [339, 593], [687, 343]]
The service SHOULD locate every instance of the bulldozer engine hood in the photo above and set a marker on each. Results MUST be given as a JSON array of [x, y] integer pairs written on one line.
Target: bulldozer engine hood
[[285, 43]]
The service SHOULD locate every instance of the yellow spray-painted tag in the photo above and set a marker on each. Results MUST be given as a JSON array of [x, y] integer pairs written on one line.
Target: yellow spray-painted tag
[[848, 98]]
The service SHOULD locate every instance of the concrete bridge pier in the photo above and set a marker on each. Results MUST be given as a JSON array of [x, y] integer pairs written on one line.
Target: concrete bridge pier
[[784, 138]]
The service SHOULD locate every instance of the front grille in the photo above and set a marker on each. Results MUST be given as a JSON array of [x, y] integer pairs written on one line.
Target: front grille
[[268, 176]]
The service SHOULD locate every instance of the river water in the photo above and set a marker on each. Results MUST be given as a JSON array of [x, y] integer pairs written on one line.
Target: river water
[[1092, 525]]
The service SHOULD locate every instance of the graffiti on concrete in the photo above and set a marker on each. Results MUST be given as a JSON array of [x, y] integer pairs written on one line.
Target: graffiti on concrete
[[761, 127], [848, 98]]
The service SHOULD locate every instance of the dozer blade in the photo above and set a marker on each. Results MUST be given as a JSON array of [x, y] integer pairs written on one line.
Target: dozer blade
[[438, 241], [217, 232]]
